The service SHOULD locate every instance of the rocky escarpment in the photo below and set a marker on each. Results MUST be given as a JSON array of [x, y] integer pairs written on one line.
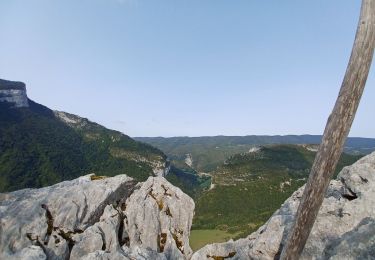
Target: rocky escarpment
[[115, 218], [13, 92]]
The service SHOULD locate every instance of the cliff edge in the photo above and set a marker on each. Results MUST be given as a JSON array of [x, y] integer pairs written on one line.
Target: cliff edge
[[13, 92]]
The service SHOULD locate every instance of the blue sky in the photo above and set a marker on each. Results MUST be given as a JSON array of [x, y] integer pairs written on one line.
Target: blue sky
[[186, 67]]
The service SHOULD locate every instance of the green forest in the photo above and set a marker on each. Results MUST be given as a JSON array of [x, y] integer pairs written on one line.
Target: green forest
[[38, 149]]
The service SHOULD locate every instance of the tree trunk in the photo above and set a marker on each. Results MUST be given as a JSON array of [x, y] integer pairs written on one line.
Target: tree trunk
[[335, 133]]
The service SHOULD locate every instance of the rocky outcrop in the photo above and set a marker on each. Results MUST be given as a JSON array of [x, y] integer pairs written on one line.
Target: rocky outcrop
[[159, 216], [94, 217], [153, 223], [344, 229], [51, 217], [189, 160], [13, 92], [160, 168]]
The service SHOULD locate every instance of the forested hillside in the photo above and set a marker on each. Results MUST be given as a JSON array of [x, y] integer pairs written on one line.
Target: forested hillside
[[261, 180], [39, 148]]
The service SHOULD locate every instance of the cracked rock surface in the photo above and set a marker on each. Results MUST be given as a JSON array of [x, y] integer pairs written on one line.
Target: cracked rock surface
[[344, 228], [96, 218], [50, 217], [159, 217]]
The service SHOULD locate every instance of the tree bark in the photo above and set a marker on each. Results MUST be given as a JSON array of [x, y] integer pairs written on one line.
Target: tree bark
[[335, 133]]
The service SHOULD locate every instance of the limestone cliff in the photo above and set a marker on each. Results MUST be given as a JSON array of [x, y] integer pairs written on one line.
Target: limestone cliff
[[114, 218], [13, 92]]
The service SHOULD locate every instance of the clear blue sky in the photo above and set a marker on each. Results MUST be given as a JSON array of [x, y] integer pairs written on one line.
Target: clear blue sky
[[186, 67]]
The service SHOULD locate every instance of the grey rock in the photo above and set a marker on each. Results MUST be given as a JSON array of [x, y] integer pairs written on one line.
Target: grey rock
[[51, 217], [138, 253], [104, 255], [27, 253], [153, 223], [101, 241], [356, 244], [57, 247], [159, 217], [160, 168], [13, 92], [88, 242], [345, 220], [103, 235]]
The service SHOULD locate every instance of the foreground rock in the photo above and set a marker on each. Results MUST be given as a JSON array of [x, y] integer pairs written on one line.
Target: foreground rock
[[159, 217], [95, 218], [50, 217], [344, 229], [153, 223]]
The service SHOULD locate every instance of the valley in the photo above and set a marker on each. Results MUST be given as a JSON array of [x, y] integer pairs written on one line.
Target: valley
[[261, 177]]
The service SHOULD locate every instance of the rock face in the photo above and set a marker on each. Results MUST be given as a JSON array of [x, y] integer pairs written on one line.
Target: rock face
[[160, 168], [344, 229], [96, 218], [51, 217], [13, 92], [153, 223], [159, 216], [114, 218]]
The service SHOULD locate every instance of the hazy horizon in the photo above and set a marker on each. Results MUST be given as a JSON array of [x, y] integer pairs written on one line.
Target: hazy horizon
[[186, 68]]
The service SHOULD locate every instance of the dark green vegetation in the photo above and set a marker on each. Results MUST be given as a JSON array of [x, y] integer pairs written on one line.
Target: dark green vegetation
[[249, 187], [210, 152], [38, 148], [188, 180], [14, 85]]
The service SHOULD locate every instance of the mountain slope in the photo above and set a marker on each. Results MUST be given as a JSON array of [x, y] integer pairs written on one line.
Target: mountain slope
[[39, 147], [344, 227], [261, 180]]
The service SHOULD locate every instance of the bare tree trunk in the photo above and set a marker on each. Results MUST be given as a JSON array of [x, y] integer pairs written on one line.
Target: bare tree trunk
[[336, 132]]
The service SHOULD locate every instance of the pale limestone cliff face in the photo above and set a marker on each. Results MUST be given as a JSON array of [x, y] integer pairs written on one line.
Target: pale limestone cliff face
[[13, 92], [115, 218], [189, 160]]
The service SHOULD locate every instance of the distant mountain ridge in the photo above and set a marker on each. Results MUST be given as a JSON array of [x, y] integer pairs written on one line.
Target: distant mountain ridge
[[208, 152], [351, 143]]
